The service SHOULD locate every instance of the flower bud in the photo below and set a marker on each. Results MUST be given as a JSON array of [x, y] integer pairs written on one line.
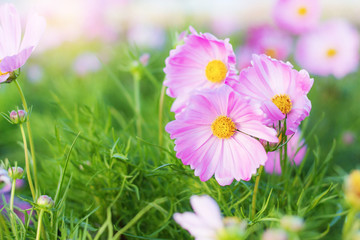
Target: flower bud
[[16, 172], [292, 223], [45, 201], [274, 234], [352, 189], [18, 116]]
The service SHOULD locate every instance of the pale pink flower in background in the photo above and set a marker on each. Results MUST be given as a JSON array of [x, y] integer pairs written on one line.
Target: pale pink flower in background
[[15, 51], [5, 182], [274, 234], [202, 62], [348, 137], [332, 48], [224, 24], [34, 73], [213, 135], [295, 155], [280, 90], [18, 203], [144, 59], [85, 63], [264, 39], [98, 23], [205, 222], [243, 57], [297, 16], [146, 35]]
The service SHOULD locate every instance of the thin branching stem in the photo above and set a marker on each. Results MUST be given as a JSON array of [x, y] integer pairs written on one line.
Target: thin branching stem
[[256, 187], [38, 233], [161, 108], [137, 103], [12, 217], [31, 142], [27, 163]]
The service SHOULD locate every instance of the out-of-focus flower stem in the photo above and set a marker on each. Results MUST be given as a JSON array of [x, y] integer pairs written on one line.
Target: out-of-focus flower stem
[[12, 217], [137, 103], [31, 142], [256, 187], [349, 221], [38, 233], [161, 106], [27, 163]]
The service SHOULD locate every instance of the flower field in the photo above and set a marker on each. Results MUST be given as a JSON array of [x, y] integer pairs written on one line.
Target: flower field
[[116, 127]]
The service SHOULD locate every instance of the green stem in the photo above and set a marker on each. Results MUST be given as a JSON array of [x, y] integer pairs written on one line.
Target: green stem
[[27, 163], [349, 221], [12, 217], [256, 187], [38, 233], [137, 103], [31, 142], [161, 106]]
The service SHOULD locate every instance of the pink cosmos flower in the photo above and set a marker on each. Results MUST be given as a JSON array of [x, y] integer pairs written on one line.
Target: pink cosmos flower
[[295, 155], [206, 223], [332, 48], [279, 89], [13, 51], [213, 135], [264, 39], [203, 61], [297, 16]]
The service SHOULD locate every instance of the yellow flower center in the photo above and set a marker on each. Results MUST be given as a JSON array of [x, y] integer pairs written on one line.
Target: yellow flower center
[[1, 73], [283, 102], [331, 52], [271, 52], [302, 11], [216, 71], [354, 179], [223, 127]]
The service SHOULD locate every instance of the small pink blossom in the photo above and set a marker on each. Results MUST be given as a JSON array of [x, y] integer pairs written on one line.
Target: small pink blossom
[[279, 90], [14, 52], [297, 16], [213, 136], [202, 62], [264, 39], [205, 222], [332, 48], [294, 152]]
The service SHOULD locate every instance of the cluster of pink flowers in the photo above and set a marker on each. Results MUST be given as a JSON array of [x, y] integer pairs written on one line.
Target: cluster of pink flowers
[[323, 48], [220, 115]]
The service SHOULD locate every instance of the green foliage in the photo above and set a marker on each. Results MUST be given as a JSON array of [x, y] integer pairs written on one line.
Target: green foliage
[[110, 182]]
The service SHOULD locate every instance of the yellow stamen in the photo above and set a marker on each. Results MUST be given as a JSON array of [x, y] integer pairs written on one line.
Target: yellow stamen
[[216, 71], [352, 188], [1, 73], [223, 127], [331, 52], [302, 11], [283, 102], [271, 52]]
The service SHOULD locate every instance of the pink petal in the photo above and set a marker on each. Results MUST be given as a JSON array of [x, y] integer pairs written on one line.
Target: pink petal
[[10, 23], [35, 27], [207, 209], [11, 63], [272, 112]]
